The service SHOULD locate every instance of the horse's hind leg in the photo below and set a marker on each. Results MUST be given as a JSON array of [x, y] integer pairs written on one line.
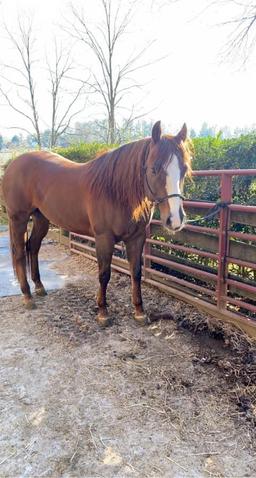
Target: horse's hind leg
[[18, 228], [104, 251], [39, 231]]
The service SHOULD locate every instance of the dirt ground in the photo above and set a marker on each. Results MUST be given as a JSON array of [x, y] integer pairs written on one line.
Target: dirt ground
[[126, 401]]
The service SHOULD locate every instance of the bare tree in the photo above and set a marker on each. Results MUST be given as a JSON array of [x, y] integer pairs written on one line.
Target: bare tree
[[242, 37], [241, 25], [64, 96], [241, 22], [25, 85], [62, 116], [115, 80]]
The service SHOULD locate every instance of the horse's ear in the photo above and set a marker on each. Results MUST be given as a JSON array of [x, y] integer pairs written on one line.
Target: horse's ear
[[182, 135], [156, 132]]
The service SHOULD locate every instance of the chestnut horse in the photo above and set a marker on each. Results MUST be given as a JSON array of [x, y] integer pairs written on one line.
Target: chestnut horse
[[111, 198]]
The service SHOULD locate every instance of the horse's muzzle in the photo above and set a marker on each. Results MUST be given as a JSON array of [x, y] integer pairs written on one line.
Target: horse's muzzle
[[176, 224]]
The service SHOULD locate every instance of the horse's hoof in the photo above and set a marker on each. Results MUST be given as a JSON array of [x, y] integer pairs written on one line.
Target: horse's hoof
[[29, 305], [41, 292], [104, 321], [142, 319]]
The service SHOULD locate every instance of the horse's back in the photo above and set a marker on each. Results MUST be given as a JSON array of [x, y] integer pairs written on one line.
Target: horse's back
[[25, 177], [40, 159], [35, 163]]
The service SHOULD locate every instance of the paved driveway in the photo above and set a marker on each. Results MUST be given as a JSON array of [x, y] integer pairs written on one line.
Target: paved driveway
[[8, 283]]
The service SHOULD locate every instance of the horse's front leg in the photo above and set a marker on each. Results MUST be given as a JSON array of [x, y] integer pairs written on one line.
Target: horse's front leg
[[104, 251], [134, 248]]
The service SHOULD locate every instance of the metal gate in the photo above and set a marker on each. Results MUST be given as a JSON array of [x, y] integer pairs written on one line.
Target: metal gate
[[212, 267]]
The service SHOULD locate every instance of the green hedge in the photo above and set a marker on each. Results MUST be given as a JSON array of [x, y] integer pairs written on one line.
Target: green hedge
[[218, 153], [83, 152], [209, 153]]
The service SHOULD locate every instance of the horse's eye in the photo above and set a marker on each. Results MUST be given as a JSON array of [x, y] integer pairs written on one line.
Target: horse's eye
[[153, 170]]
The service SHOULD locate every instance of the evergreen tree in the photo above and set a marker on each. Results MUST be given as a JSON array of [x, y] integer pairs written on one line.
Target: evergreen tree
[[15, 141]]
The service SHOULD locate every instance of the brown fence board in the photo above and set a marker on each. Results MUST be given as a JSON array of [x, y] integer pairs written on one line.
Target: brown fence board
[[198, 239], [208, 243], [248, 218], [242, 250], [173, 260]]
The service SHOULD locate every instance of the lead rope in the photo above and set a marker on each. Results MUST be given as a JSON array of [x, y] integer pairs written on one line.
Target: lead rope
[[211, 213]]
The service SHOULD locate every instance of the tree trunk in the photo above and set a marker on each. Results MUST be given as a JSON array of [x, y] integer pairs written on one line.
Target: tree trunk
[[111, 128]]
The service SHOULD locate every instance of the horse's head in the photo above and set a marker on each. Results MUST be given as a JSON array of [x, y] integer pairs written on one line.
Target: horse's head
[[167, 164]]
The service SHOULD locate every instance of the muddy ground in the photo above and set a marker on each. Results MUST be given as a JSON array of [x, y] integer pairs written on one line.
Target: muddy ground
[[127, 401]]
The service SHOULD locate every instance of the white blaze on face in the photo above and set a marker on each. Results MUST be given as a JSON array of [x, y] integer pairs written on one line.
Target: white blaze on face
[[173, 187]]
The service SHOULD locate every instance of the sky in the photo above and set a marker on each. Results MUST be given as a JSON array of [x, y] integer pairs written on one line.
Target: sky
[[187, 78]]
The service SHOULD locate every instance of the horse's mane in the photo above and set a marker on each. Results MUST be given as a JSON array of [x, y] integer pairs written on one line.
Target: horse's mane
[[119, 174]]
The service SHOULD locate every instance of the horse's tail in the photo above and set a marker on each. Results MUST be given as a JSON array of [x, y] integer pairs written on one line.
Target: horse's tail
[[13, 251], [12, 248], [28, 254]]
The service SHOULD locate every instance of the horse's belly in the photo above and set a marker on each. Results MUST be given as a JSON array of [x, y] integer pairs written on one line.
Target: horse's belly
[[77, 222]]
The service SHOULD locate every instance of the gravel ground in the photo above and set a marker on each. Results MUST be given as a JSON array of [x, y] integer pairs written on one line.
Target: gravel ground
[[127, 401]]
